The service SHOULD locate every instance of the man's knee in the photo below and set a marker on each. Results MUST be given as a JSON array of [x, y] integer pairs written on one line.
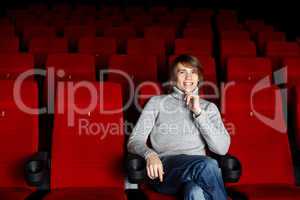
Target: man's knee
[[207, 169], [192, 191]]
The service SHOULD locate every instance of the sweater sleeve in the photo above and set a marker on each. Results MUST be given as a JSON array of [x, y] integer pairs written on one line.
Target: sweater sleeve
[[137, 142], [212, 129]]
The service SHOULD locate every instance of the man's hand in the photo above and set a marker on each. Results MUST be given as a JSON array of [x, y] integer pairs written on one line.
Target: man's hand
[[193, 103], [154, 167]]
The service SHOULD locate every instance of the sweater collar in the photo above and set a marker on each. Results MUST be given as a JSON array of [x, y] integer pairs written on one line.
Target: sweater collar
[[179, 94]]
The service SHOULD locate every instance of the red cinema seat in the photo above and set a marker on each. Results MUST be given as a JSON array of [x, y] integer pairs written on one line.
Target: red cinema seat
[[168, 34], [9, 45], [121, 34], [74, 33], [268, 35], [204, 32], [7, 31], [254, 116], [293, 70], [236, 48], [253, 26], [277, 50], [87, 148], [155, 47], [38, 31], [18, 138], [40, 47], [75, 66], [138, 69], [101, 47], [14, 64], [234, 35], [248, 69], [193, 46]]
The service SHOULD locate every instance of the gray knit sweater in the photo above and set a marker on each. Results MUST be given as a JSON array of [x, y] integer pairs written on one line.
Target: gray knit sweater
[[173, 129]]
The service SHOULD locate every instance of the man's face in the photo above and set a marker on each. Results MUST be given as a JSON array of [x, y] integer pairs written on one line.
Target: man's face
[[186, 78]]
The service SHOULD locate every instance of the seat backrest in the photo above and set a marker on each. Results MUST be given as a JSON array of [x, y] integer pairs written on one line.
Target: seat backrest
[[146, 47], [88, 145], [75, 66], [193, 46], [248, 69], [237, 48], [98, 45], [139, 67], [19, 131], [48, 45], [234, 35], [282, 48], [9, 45], [13, 64], [254, 117]]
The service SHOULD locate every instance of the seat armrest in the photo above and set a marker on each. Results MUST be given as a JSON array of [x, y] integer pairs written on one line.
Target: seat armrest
[[231, 167], [37, 170], [136, 168]]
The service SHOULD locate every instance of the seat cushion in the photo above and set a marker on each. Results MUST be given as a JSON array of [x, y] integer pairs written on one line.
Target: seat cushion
[[14, 193], [153, 195], [268, 192], [87, 194]]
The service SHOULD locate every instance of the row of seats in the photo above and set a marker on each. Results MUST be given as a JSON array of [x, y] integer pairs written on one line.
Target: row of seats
[[83, 66], [75, 167]]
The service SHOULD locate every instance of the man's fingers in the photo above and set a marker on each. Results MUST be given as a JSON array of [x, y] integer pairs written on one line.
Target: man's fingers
[[152, 172], [155, 171], [148, 172], [160, 173]]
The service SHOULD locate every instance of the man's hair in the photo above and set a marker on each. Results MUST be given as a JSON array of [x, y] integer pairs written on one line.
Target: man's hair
[[187, 61]]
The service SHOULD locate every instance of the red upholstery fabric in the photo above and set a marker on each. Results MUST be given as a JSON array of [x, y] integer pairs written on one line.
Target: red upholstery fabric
[[277, 50], [9, 45], [193, 46], [88, 153], [204, 32], [87, 194], [270, 192], [8, 31], [133, 65], [40, 47], [236, 48], [234, 35], [248, 69], [148, 46], [76, 32], [249, 131], [16, 145], [13, 64], [101, 47], [38, 31], [14, 193], [264, 36], [75, 66], [168, 34]]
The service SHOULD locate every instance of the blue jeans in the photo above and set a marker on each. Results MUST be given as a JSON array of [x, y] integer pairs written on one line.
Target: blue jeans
[[195, 177]]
